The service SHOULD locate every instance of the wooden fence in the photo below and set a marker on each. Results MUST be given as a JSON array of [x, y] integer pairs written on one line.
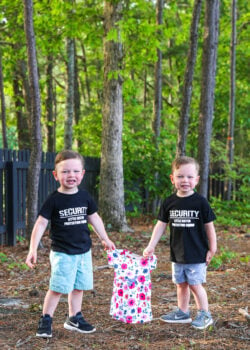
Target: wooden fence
[[13, 188]]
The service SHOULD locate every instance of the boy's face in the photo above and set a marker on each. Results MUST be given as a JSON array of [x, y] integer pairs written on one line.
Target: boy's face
[[69, 173], [185, 179]]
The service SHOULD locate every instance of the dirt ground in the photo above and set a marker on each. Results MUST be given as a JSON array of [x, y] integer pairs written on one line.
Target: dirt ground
[[227, 289]]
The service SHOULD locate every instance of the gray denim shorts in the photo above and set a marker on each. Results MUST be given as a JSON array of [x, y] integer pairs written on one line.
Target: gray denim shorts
[[191, 273], [70, 272]]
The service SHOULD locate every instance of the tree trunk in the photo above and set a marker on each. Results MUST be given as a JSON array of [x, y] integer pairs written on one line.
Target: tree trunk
[[230, 139], [188, 81], [158, 78], [2, 100], [68, 126], [158, 92], [111, 196], [22, 68], [85, 69], [36, 139], [49, 105], [207, 90], [77, 101], [22, 122]]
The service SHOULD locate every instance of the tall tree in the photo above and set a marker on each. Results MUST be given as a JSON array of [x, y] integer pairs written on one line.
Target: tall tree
[[209, 58], [230, 138], [158, 76], [111, 196], [188, 81], [36, 144], [158, 89]]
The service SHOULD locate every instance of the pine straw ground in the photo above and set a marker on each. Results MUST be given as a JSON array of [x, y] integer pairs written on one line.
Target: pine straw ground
[[227, 289]]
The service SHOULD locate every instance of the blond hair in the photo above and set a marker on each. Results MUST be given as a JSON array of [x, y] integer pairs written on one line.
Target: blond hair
[[68, 154], [184, 160]]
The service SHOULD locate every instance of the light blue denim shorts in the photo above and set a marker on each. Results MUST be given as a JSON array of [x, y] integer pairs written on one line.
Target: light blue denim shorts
[[70, 272], [191, 273]]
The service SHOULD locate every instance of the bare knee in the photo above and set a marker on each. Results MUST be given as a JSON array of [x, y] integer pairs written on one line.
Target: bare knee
[[183, 285]]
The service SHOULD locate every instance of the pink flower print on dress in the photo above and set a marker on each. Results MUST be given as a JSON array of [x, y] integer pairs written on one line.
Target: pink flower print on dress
[[131, 302], [124, 252], [124, 266], [142, 296], [120, 292], [144, 262], [129, 319], [132, 285], [141, 279]]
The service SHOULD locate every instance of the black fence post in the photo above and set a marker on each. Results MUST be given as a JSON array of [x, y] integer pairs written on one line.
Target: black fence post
[[11, 203]]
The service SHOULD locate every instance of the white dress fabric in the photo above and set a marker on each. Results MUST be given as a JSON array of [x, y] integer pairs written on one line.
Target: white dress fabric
[[131, 298]]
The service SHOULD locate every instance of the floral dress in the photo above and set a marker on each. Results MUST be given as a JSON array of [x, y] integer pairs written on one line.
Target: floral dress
[[131, 298]]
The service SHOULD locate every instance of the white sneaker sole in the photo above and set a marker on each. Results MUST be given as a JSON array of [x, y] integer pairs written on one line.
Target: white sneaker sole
[[72, 328], [44, 335], [203, 327]]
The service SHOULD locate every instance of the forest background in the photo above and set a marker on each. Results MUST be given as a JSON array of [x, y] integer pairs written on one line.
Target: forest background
[[71, 34]]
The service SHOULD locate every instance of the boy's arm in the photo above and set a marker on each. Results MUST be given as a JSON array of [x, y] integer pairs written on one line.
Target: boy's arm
[[98, 226], [37, 232], [158, 231], [211, 235]]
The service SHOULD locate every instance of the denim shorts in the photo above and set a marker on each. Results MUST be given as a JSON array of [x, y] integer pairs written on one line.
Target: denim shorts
[[191, 273], [70, 272]]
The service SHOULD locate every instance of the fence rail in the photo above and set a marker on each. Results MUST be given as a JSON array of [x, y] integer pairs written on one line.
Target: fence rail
[[13, 188]]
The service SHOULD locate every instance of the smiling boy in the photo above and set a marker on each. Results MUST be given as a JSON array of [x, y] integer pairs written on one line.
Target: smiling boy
[[69, 209], [192, 242]]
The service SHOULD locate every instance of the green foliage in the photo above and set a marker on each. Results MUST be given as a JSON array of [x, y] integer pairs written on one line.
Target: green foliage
[[225, 256], [10, 264], [17, 265], [11, 138], [3, 257], [231, 213], [245, 259]]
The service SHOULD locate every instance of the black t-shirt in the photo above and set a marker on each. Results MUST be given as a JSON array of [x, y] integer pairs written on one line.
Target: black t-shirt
[[186, 217], [69, 221]]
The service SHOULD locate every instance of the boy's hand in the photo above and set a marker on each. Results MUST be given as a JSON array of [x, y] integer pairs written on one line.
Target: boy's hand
[[31, 259], [209, 256], [108, 245], [148, 252]]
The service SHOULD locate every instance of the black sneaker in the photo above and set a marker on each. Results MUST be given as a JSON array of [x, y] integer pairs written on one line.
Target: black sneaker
[[77, 323], [45, 327]]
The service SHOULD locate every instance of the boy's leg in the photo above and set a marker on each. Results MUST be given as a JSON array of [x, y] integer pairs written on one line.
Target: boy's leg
[[181, 314], [50, 302], [75, 301], [75, 320], [200, 296], [45, 323], [203, 318], [183, 296]]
